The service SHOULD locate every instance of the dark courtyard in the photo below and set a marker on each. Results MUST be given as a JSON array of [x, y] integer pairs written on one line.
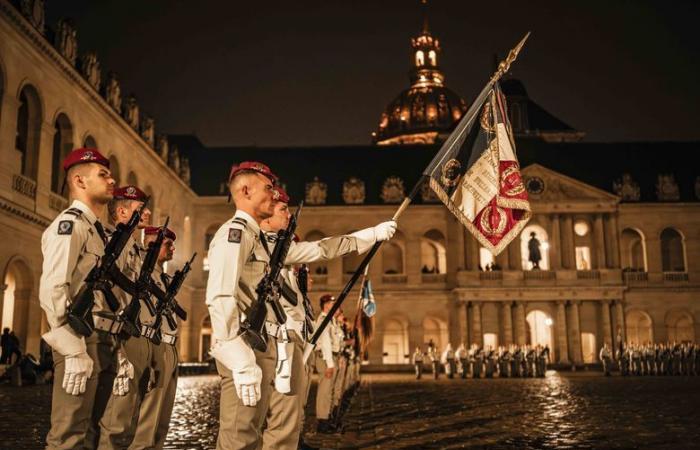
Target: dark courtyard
[[563, 410]]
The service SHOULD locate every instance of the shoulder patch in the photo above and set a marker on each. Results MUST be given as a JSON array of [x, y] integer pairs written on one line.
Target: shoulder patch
[[234, 235], [240, 220], [65, 227]]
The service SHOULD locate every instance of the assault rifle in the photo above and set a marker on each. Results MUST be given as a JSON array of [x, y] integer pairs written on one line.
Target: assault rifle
[[167, 304], [129, 316], [102, 278], [303, 282], [268, 291]]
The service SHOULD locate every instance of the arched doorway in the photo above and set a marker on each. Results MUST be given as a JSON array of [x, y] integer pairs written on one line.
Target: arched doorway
[[672, 251], [588, 348], [205, 339], [541, 235], [62, 145], [639, 327], [680, 326], [16, 304], [633, 251], [433, 254], [392, 258], [90, 142], [28, 132], [435, 330], [539, 328], [395, 342], [114, 168]]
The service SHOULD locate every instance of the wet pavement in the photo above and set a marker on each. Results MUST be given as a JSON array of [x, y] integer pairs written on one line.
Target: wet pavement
[[394, 411]]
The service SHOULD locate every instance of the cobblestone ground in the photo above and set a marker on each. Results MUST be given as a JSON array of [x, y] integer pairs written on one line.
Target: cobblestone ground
[[576, 411]]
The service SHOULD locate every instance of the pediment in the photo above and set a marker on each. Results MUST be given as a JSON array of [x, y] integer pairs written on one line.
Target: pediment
[[547, 185]]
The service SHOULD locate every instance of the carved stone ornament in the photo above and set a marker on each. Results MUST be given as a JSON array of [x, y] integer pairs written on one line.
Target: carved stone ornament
[[667, 188], [131, 112], [316, 192], [162, 147], [185, 170], [354, 191], [90, 68], [427, 194], [626, 188], [174, 159], [113, 92], [66, 40], [33, 10], [393, 190], [148, 131], [534, 185]]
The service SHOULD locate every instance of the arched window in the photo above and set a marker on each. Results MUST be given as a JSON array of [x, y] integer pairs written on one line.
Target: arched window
[[392, 258], [486, 258], [395, 342], [62, 145], [432, 56], [318, 268], [19, 284], [208, 236], [433, 254], [680, 326], [435, 330], [155, 216], [639, 329], [582, 244], [90, 142], [420, 58], [534, 248], [114, 168], [539, 330], [132, 179], [672, 251], [29, 117], [633, 251]]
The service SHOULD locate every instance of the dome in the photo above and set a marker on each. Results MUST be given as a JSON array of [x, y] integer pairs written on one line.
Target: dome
[[419, 115]]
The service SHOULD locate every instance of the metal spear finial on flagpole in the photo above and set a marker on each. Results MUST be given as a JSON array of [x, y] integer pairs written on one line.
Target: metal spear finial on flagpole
[[504, 65]]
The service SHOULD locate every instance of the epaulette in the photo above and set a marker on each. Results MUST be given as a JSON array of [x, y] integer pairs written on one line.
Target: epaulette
[[240, 221], [73, 212]]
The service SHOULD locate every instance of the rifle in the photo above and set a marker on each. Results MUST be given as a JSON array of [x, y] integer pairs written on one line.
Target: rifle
[[167, 303], [129, 316], [303, 282], [102, 278], [268, 291]]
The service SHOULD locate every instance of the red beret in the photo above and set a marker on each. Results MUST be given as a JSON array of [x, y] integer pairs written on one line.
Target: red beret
[[282, 195], [130, 193], [255, 167], [84, 155], [170, 234]]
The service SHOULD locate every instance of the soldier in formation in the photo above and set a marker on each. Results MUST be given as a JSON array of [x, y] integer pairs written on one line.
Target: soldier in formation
[[670, 358], [113, 386], [418, 362]]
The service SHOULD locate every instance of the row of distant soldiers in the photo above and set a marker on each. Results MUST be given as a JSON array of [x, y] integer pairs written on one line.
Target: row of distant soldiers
[[503, 361], [653, 359]]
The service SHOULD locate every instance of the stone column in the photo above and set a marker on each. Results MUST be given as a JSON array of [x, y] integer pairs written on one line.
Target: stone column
[[555, 248], [605, 316], [462, 321], [412, 265], [620, 320], [8, 132], [567, 232], [519, 327], [507, 322], [575, 332], [472, 256], [502, 260], [475, 328], [599, 241], [188, 350], [562, 341], [612, 241], [515, 255]]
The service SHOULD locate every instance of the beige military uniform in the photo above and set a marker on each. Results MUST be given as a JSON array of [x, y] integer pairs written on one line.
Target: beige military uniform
[[337, 341], [119, 422], [324, 360], [157, 405], [72, 246]]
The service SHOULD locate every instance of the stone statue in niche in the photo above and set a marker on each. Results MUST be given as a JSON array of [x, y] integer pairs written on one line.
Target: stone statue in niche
[[393, 190], [534, 254], [174, 159], [33, 10], [627, 188], [113, 92], [131, 112], [162, 147], [354, 191], [66, 40], [667, 188], [316, 192], [185, 170], [427, 194], [90, 69], [148, 131]]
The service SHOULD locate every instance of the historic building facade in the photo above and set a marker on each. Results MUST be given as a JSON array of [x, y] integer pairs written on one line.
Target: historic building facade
[[619, 227]]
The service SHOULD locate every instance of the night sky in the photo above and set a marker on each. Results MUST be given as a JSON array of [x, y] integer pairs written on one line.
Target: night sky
[[321, 72]]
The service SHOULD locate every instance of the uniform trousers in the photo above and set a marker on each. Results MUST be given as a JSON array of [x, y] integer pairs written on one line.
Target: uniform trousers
[[341, 367], [240, 426], [157, 405], [119, 422], [324, 395], [75, 418], [285, 412]]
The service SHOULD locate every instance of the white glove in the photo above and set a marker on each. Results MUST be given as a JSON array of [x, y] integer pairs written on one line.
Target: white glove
[[367, 237], [125, 373], [385, 230], [78, 370], [283, 372], [239, 358]]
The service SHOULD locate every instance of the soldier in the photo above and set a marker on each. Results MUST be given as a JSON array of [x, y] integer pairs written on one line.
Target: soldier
[[157, 404], [528, 361], [490, 362], [463, 358], [135, 356], [606, 358], [478, 362], [448, 360], [676, 359], [72, 245], [665, 360], [418, 362], [516, 362], [503, 362], [543, 360], [622, 359], [434, 360], [337, 341], [325, 366]]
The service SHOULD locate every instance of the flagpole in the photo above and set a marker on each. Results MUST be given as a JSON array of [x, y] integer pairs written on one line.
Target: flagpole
[[503, 67]]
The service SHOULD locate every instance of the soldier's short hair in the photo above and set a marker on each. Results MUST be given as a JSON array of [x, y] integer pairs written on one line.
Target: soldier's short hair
[[325, 299], [115, 203]]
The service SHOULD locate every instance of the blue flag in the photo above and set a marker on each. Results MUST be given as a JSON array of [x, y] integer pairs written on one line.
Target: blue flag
[[369, 306]]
